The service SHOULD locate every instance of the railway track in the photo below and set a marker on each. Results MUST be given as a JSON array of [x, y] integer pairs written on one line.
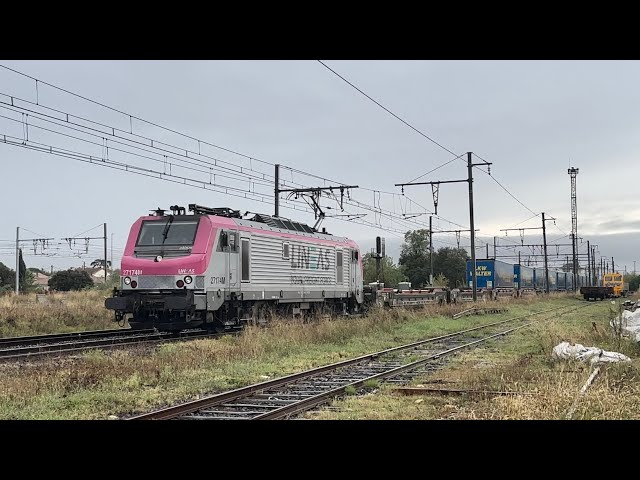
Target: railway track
[[42, 345], [290, 395]]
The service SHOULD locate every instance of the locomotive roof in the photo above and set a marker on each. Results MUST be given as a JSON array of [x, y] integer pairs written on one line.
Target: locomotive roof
[[275, 223], [280, 222]]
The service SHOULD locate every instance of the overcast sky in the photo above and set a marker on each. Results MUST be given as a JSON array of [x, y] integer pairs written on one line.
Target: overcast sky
[[531, 119]]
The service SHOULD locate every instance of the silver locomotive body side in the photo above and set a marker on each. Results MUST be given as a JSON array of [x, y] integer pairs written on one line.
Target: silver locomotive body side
[[256, 267]]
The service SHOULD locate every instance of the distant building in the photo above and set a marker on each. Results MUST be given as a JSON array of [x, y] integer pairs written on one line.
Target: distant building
[[41, 281], [96, 274]]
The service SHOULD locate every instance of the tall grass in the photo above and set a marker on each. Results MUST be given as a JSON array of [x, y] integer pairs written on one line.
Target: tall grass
[[61, 312]]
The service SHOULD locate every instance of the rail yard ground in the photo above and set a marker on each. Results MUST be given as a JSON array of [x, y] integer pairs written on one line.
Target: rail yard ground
[[514, 378], [100, 384]]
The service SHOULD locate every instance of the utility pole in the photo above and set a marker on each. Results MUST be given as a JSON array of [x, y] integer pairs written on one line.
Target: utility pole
[[105, 254], [546, 261], [430, 252], [17, 260], [487, 245], [613, 266], [472, 231], [589, 263], [435, 187], [277, 192], [573, 172], [494, 247]]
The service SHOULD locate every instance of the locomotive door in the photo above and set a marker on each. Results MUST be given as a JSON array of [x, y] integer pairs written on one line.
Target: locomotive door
[[245, 259], [232, 260], [352, 272]]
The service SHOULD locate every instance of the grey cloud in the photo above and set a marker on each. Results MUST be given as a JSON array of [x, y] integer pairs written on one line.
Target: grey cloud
[[528, 117]]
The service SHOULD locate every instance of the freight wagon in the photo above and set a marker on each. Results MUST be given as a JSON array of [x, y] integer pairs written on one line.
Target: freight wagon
[[561, 281], [523, 279], [494, 279], [406, 297], [538, 279]]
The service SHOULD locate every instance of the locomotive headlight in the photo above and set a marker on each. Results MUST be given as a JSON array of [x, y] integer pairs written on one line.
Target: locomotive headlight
[[188, 280], [127, 281]]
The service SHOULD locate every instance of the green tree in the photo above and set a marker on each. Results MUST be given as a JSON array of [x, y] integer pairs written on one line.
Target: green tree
[[66, 280], [391, 273], [7, 279], [414, 257], [25, 281], [632, 280], [440, 280], [99, 263], [452, 263]]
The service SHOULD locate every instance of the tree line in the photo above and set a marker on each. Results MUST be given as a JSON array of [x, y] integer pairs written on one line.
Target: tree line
[[414, 264], [62, 281]]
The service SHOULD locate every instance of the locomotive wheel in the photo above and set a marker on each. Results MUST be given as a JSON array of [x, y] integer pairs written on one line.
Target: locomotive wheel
[[214, 324], [261, 313]]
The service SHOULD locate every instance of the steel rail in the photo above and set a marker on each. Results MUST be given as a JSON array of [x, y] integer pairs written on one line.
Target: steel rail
[[35, 339], [34, 351], [217, 399]]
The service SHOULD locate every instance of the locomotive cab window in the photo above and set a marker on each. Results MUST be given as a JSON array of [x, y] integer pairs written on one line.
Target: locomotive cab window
[[245, 253], [167, 232], [285, 250], [228, 241]]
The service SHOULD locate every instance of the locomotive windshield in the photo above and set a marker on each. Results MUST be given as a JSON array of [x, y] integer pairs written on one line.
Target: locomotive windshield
[[167, 232]]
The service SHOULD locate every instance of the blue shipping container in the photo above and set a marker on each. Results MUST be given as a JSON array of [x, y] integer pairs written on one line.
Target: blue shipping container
[[522, 276], [538, 278], [562, 280], [491, 274]]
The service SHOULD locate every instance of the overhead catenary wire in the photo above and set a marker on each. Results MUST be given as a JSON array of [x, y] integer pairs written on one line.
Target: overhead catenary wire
[[392, 218], [181, 166], [131, 116], [162, 159], [152, 143], [423, 135]]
